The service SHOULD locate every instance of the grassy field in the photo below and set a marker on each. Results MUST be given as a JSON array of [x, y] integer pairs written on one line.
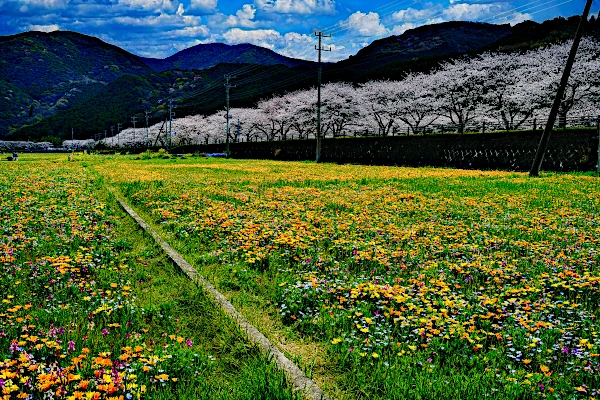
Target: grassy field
[[380, 282], [91, 309]]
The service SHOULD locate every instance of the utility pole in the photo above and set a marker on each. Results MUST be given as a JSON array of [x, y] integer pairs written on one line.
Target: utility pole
[[171, 115], [320, 49], [598, 133], [112, 136], [134, 120], [543, 146], [118, 133], [227, 116], [72, 137], [239, 131], [147, 133]]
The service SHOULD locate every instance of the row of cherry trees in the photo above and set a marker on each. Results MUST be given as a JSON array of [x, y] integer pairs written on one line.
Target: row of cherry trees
[[503, 90]]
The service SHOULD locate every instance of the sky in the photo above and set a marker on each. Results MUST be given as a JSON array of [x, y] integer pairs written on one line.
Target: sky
[[160, 28]]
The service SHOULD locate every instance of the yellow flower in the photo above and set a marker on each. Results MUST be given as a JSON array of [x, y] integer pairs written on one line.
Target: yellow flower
[[336, 341]]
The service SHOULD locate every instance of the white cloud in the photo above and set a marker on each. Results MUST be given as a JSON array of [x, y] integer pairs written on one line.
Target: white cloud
[[44, 28], [413, 15], [243, 18], [161, 20], [205, 5], [297, 6], [365, 24], [26, 5], [412, 18], [470, 12], [190, 31], [260, 37], [154, 5], [513, 19]]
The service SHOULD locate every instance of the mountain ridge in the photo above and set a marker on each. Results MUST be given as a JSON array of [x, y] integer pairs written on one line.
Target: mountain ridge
[[417, 50], [204, 56]]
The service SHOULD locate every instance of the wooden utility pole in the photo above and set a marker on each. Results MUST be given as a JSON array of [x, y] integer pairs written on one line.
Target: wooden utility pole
[[598, 133], [147, 135], [118, 134], [320, 49], [227, 116], [134, 120], [171, 115], [543, 146]]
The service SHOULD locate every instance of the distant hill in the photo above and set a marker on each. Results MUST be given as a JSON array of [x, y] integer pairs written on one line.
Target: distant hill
[[445, 39], [423, 48], [55, 97], [530, 34], [418, 49], [42, 73], [204, 56]]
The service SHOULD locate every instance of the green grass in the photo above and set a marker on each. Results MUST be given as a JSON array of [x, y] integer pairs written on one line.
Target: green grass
[[54, 209], [466, 227]]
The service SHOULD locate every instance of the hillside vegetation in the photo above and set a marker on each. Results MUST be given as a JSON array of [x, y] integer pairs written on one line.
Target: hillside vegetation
[[72, 79]]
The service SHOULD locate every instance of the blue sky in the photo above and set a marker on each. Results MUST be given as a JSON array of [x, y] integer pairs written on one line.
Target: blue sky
[[159, 28]]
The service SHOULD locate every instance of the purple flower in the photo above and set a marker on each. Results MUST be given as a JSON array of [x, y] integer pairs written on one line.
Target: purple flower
[[71, 345], [105, 331], [14, 347], [189, 343], [1, 383], [565, 350]]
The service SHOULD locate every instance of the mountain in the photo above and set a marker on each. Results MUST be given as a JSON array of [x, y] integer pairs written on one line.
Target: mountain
[[530, 34], [125, 86], [444, 39], [425, 47], [418, 49], [43, 73], [204, 56]]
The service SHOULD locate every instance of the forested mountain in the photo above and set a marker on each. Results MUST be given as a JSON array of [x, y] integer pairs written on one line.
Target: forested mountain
[[55, 81], [43, 73], [204, 56]]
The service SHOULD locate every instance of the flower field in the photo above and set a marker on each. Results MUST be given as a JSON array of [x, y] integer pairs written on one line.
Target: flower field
[[420, 283], [81, 313]]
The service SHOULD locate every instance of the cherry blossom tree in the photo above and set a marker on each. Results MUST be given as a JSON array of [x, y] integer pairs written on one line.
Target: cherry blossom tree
[[458, 92], [340, 108]]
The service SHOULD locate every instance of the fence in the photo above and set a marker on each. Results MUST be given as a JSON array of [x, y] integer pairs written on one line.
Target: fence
[[568, 150], [483, 127]]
